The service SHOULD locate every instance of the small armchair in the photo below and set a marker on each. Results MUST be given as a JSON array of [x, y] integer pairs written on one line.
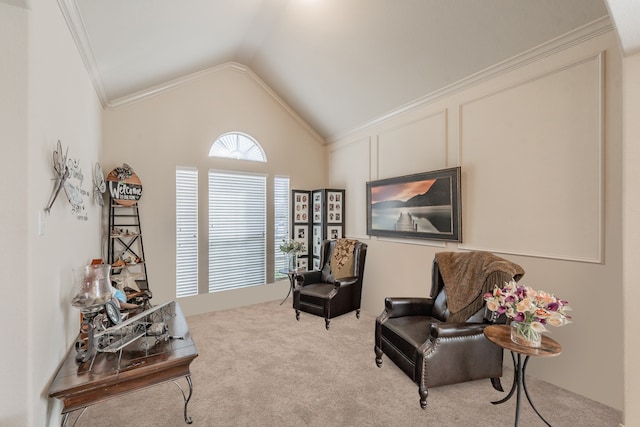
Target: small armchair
[[432, 343], [336, 289]]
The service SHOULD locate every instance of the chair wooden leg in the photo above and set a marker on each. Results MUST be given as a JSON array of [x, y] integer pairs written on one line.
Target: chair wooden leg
[[358, 313], [326, 323], [495, 382], [297, 314], [423, 392]]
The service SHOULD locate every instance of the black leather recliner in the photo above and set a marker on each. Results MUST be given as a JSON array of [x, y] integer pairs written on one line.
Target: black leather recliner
[[319, 292], [415, 335]]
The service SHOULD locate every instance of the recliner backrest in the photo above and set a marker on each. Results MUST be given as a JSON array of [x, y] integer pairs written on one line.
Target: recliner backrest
[[325, 259], [326, 252], [440, 308]]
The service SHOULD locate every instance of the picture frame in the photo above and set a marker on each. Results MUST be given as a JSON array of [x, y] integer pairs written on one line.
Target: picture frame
[[301, 206], [334, 232], [301, 235], [423, 206]]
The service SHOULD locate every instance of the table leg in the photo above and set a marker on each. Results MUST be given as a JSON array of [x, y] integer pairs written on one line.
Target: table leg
[[526, 392], [518, 380], [513, 386], [519, 383], [187, 419], [63, 423], [292, 279], [65, 418]]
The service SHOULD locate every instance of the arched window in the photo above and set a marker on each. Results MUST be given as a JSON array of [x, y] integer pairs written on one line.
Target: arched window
[[236, 145]]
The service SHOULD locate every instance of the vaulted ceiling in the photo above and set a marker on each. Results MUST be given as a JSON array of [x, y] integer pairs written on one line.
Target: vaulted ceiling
[[338, 63]]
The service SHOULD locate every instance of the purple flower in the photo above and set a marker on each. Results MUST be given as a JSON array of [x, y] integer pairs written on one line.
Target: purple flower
[[519, 317], [553, 306]]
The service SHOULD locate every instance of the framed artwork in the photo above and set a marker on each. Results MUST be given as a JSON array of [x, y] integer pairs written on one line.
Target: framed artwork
[[303, 264], [424, 206], [317, 206], [317, 239], [300, 206], [334, 207], [301, 234], [334, 232]]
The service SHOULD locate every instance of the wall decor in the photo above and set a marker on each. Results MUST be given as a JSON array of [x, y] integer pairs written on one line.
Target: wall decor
[[99, 186], [74, 191], [62, 173], [68, 177], [424, 206], [125, 188]]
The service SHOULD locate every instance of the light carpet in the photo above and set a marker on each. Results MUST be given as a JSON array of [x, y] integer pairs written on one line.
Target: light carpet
[[258, 366]]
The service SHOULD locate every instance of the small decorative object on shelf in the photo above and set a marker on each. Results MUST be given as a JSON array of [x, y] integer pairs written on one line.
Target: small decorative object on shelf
[[292, 248], [529, 310]]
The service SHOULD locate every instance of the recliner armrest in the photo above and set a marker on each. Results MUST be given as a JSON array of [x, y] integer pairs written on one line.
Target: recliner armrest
[[400, 307], [448, 330], [345, 281], [308, 277]]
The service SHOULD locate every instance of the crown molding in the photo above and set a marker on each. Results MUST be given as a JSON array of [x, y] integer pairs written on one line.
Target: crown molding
[[76, 26], [558, 44]]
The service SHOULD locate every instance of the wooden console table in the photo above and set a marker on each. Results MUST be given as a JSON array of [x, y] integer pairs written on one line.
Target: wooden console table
[[145, 362]]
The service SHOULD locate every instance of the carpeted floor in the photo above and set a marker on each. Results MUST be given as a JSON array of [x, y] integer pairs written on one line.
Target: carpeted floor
[[257, 366]]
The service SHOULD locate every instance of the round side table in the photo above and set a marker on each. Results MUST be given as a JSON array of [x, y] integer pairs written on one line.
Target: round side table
[[501, 335]]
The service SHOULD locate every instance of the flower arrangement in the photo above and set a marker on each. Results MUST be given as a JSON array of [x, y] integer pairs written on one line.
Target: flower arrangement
[[290, 246], [529, 310]]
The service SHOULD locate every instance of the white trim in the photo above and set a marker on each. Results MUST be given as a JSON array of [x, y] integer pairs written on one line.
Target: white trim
[[69, 9], [598, 257], [577, 36]]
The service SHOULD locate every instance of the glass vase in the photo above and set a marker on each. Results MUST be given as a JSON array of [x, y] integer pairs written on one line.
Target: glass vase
[[293, 261], [523, 334], [93, 286]]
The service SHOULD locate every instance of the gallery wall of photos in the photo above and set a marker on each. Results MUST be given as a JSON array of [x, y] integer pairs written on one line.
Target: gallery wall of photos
[[316, 215]]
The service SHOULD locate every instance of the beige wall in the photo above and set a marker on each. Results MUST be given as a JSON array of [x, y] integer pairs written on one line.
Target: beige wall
[[631, 240], [13, 227], [540, 149], [47, 96], [177, 128]]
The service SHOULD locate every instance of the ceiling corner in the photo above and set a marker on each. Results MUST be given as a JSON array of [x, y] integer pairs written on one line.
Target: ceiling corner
[[625, 15]]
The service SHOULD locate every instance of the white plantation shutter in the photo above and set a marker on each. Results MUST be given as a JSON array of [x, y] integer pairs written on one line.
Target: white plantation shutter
[[237, 145], [281, 221], [186, 232], [237, 230]]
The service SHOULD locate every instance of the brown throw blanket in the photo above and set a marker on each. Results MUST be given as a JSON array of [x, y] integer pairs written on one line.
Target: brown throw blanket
[[342, 258], [468, 276]]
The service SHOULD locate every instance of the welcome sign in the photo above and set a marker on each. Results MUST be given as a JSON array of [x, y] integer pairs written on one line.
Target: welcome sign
[[124, 186]]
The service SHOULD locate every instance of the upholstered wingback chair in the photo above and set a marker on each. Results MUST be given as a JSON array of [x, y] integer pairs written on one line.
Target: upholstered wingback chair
[[336, 288], [437, 344]]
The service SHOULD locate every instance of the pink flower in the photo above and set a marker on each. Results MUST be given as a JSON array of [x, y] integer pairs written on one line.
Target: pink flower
[[524, 304]]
